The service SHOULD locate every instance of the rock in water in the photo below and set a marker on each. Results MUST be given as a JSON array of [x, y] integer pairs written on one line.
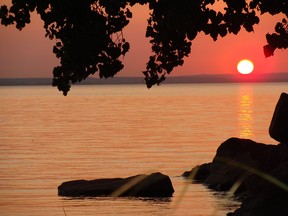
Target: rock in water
[[222, 173], [279, 125], [154, 185], [262, 169]]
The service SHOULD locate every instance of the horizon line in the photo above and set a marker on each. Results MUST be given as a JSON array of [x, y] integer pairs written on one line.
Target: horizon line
[[195, 78]]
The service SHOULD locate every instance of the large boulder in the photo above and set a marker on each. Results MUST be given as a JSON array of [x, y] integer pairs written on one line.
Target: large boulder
[[236, 158], [254, 166], [154, 185], [222, 172]]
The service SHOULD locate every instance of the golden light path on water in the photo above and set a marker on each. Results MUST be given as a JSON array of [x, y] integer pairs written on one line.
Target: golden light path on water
[[245, 113]]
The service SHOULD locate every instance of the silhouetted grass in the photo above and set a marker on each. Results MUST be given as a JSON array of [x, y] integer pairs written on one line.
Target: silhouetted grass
[[257, 172], [128, 186], [64, 211]]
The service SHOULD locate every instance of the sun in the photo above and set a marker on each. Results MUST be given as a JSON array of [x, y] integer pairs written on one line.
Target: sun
[[245, 66]]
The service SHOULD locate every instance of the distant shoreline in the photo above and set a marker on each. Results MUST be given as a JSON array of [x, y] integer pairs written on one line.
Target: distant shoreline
[[202, 78]]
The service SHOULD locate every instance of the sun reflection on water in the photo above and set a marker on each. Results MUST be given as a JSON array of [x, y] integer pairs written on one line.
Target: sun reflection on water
[[245, 112]]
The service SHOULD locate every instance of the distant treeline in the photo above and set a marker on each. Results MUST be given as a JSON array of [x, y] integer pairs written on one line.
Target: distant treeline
[[202, 78]]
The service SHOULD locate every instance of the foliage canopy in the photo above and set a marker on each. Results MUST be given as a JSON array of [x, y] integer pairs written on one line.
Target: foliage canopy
[[88, 33]]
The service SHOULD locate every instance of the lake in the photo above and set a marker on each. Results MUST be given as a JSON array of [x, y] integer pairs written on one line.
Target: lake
[[109, 131]]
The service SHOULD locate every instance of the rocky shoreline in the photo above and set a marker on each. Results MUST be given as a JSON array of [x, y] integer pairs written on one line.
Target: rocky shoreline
[[258, 173]]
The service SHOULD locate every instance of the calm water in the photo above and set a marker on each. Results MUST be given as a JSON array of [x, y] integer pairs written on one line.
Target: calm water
[[119, 131]]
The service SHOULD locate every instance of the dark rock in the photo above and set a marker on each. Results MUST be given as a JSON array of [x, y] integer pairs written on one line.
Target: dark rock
[[234, 160], [252, 165], [278, 129], [154, 185], [201, 172], [273, 198]]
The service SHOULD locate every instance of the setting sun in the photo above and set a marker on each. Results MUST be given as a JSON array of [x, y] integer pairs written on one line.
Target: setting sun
[[245, 66]]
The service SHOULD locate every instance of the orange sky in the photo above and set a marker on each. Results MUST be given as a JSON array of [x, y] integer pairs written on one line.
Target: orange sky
[[28, 53]]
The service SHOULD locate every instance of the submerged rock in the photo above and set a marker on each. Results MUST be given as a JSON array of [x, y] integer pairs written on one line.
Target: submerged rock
[[154, 185]]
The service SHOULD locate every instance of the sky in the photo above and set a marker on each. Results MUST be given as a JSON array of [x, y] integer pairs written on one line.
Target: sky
[[28, 53]]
